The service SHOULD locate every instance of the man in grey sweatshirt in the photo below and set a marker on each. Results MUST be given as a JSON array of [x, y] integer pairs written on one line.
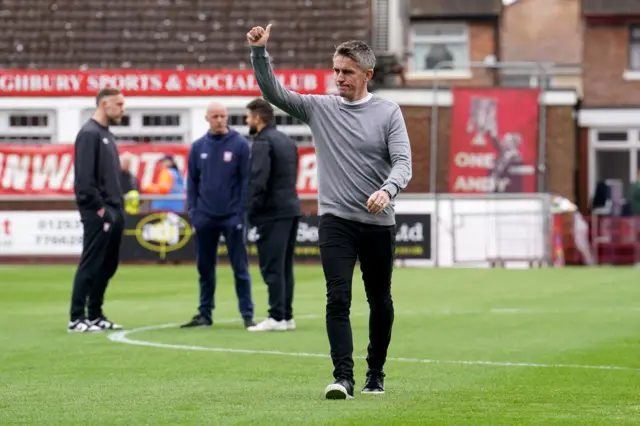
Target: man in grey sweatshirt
[[364, 161]]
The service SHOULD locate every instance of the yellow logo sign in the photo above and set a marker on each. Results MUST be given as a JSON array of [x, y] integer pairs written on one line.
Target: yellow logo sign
[[162, 232]]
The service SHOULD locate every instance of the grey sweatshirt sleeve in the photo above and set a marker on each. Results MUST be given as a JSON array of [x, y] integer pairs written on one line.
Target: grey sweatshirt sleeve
[[272, 90], [400, 153]]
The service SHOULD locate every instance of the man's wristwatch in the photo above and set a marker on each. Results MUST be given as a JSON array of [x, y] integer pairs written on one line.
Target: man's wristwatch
[[388, 193]]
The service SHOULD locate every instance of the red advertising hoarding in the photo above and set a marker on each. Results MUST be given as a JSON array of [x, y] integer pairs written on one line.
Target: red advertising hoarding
[[156, 82], [494, 140], [48, 169]]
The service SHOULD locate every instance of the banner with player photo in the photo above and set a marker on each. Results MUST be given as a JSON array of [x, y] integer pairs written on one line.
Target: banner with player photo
[[167, 236], [493, 143]]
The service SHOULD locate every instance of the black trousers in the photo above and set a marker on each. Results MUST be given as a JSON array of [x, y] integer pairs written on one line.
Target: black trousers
[[99, 261], [342, 242], [276, 245]]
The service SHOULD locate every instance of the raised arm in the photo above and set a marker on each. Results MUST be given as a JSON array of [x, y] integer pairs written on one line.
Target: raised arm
[[272, 90], [400, 153]]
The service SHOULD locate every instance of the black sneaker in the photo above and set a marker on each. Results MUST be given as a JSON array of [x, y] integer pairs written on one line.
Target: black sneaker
[[198, 321], [104, 323], [82, 326], [248, 322], [374, 383], [340, 389]]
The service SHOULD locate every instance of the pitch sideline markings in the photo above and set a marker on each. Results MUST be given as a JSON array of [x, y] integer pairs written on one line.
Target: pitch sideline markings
[[122, 337]]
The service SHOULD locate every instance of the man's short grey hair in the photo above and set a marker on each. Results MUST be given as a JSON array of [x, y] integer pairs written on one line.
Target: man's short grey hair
[[359, 52]]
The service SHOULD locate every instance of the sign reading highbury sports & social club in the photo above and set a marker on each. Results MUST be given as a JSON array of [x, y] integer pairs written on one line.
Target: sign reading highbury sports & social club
[[494, 140], [157, 82]]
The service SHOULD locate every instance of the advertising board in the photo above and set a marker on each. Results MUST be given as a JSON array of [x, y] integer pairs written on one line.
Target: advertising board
[[449, 232]]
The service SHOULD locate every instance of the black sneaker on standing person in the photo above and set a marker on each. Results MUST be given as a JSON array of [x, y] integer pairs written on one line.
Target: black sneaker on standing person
[[99, 198], [198, 321], [374, 383], [202, 321], [340, 389]]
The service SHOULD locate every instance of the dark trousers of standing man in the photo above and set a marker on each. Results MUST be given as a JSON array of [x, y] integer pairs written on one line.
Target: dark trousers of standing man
[[276, 245], [99, 261], [342, 242], [208, 233]]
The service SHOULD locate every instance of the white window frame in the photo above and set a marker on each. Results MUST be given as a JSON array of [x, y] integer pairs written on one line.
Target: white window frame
[[136, 128], [634, 43], [48, 131], [631, 145], [533, 80], [291, 130], [462, 73]]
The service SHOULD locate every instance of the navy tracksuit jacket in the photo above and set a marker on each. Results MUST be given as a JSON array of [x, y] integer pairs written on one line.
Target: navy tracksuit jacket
[[217, 195]]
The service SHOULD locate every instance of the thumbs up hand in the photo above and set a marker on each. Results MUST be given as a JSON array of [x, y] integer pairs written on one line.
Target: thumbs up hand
[[258, 36]]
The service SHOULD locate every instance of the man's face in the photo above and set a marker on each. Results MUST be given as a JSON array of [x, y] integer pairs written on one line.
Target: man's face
[[125, 163], [350, 78], [113, 107], [252, 121], [217, 117]]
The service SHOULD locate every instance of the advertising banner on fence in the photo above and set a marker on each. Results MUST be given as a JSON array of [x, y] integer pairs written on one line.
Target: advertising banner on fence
[[170, 237], [48, 169], [494, 140], [40, 233], [157, 82]]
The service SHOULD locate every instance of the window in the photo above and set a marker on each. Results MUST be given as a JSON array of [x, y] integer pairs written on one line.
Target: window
[[20, 120], [524, 80], [161, 120], [614, 154], [287, 124], [144, 126], [25, 139], [614, 165], [634, 48], [432, 44], [27, 126], [125, 122], [613, 136], [149, 138]]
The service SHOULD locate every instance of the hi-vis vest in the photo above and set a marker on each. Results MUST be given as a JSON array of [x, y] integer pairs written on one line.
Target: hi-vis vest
[[132, 202]]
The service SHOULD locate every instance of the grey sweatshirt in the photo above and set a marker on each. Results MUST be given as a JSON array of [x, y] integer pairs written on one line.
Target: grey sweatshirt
[[361, 147]]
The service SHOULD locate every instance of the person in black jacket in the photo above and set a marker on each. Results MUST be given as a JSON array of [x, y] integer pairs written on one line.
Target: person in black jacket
[[99, 199], [274, 208]]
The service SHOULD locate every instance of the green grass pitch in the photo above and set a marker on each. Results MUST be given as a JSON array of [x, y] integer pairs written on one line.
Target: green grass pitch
[[527, 335]]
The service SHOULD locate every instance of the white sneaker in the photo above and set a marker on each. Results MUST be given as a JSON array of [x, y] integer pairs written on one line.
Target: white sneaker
[[82, 326], [269, 324], [291, 324], [105, 324]]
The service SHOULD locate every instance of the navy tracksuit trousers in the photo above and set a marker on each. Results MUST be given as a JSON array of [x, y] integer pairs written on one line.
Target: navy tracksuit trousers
[[208, 233]]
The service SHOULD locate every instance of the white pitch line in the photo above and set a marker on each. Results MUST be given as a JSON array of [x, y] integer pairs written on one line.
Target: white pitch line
[[121, 337]]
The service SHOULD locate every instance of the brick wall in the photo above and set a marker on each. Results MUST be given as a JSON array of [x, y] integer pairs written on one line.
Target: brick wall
[[605, 60]]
